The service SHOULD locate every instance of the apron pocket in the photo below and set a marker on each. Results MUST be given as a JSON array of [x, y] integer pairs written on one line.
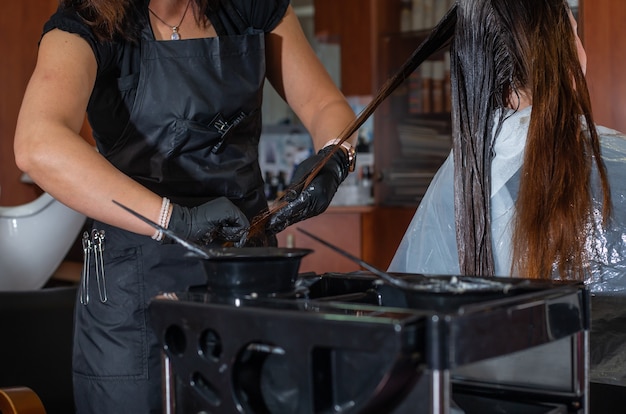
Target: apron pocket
[[192, 136], [110, 337]]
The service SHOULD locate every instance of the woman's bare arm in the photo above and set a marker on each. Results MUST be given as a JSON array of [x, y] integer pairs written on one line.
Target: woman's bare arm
[[49, 148], [299, 77]]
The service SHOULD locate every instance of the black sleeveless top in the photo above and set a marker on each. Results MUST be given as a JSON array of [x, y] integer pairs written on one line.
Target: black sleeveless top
[[118, 61]]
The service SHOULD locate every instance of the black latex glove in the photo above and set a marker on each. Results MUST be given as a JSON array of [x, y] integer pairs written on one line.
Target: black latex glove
[[316, 197], [213, 222]]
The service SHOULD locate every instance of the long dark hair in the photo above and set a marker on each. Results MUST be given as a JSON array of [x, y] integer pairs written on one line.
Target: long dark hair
[[501, 49], [111, 19], [499, 52]]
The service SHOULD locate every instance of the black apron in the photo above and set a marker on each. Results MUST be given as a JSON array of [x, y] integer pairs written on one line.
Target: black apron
[[193, 136]]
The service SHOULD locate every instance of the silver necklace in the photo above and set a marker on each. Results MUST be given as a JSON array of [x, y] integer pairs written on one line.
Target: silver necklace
[[175, 35]]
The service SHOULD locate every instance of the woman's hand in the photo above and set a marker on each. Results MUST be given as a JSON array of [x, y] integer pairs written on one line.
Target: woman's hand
[[316, 197], [215, 221]]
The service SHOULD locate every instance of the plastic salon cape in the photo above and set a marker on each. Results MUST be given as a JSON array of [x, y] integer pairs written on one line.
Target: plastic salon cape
[[429, 244]]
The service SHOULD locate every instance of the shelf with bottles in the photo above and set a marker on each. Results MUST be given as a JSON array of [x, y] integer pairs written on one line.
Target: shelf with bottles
[[282, 147], [422, 15], [414, 122]]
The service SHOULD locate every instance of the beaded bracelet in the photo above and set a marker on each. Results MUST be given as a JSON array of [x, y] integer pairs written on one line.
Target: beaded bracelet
[[164, 218]]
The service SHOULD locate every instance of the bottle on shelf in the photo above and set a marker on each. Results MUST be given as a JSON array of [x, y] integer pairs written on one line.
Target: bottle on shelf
[[406, 17]]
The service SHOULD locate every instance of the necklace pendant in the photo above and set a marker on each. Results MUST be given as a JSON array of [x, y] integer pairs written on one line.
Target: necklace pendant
[[175, 35]]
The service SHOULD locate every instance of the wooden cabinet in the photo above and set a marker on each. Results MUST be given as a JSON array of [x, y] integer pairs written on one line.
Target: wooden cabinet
[[373, 48], [413, 125], [369, 233]]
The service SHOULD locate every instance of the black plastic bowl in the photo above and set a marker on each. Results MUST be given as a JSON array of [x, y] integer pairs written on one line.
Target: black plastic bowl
[[253, 270]]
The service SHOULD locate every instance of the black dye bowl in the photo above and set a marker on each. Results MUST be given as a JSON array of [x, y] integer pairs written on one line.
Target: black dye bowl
[[253, 270]]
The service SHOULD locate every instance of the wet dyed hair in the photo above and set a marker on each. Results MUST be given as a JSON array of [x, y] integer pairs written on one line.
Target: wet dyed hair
[[111, 19], [501, 49]]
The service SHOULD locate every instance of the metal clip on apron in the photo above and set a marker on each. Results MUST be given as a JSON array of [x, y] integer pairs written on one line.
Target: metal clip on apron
[[95, 245]]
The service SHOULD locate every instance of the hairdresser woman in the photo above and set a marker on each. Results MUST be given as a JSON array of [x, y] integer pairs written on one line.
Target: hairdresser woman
[[173, 91]]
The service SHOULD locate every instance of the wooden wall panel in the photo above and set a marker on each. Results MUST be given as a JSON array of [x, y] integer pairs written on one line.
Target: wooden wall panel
[[367, 232], [348, 22], [604, 39], [21, 23]]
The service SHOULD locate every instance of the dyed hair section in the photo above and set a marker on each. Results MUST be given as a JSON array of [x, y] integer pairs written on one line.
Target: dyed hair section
[[500, 50]]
